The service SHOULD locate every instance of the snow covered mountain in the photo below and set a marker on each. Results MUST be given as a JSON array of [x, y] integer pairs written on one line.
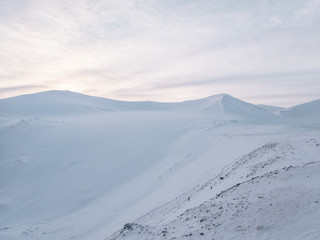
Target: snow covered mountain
[[269, 193], [55, 103], [308, 111], [80, 167]]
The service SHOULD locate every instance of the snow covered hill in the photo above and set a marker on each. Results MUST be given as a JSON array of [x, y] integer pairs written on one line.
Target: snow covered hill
[[269, 193], [64, 103], [224, 106], [53, 103], [80, 167], [307, 112]]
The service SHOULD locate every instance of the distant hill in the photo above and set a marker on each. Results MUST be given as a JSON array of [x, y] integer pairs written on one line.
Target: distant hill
[[309, 111], [59, 103]]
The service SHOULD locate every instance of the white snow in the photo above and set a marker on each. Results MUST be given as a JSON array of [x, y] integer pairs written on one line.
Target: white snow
[[79, 167], [306, 112], [273, 109], [269, 193]]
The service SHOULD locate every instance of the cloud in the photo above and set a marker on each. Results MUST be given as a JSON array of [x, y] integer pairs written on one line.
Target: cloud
[[118, 45], [20, 88], [244, 79]]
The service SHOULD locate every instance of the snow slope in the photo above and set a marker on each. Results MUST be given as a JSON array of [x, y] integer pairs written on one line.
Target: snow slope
[[79, 167], [272, 109], [306, 112], [269, 193]]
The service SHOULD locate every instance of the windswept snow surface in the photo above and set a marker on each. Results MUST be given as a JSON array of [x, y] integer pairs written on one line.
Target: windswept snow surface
[[79, 167], [272, 109], [306, 112], [272, 192]]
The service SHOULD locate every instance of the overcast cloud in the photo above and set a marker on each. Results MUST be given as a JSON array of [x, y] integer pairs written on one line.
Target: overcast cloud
[[164, 50]]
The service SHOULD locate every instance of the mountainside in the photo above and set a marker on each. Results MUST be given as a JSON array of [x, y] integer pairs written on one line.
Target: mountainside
[[272, 109], [308, 111], [74, 166], [248, 199]]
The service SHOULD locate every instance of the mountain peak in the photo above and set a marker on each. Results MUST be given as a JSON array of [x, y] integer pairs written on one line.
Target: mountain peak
[[219, 97]]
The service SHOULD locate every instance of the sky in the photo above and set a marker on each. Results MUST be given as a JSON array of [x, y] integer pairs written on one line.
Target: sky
[[261, 51]]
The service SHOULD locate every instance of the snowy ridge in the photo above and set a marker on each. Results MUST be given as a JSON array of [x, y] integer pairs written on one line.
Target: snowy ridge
[[222, 106], [251, 199], [64, 103], [226, 106]]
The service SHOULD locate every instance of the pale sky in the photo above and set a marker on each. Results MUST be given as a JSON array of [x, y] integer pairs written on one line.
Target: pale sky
[[261, 51]]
